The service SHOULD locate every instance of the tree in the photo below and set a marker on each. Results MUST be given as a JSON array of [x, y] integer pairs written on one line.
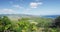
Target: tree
[[5, 23], [56, 23]]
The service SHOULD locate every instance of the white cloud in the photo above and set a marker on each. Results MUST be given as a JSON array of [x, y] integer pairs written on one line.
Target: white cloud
[[35, 4], [42, 12], [46, 13], [11, 11], [17, 6], [8, 11]]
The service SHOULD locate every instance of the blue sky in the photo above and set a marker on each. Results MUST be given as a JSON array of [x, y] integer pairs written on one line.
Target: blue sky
[[31, 7]]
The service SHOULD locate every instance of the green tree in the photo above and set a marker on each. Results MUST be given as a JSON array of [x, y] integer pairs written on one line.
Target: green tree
[[57, 21], [5, 23]]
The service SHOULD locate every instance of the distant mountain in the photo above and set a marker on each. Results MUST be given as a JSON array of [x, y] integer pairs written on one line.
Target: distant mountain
[[25, 15], [18, 15]]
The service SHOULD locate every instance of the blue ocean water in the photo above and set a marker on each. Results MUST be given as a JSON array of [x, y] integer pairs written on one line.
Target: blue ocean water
[[51, 16]]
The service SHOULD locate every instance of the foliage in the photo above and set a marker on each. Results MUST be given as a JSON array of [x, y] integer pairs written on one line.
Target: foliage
[[56, 22], [27, 25], [4, 23]]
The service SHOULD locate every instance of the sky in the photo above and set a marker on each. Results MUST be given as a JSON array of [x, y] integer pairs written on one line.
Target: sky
[[30, 7]]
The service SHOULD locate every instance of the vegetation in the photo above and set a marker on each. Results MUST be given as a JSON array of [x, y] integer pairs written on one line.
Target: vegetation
[[29, 25]]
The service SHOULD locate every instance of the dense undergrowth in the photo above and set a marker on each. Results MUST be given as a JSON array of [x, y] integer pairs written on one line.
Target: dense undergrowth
[[28, 25]]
